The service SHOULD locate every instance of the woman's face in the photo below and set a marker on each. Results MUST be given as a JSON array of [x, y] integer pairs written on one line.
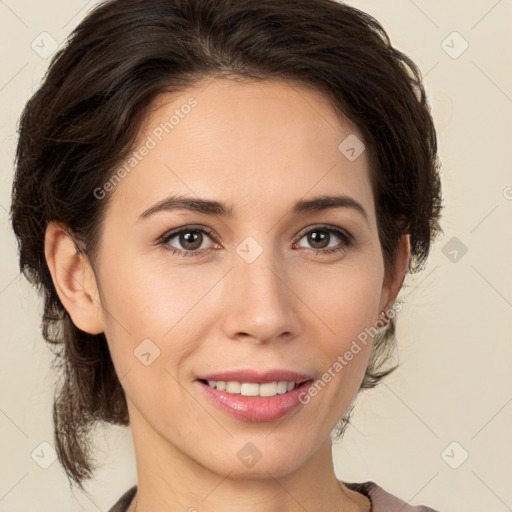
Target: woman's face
[[256, 282]]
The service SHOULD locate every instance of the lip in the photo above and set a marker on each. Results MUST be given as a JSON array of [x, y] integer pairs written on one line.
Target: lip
[[256, 408], [257, 376]]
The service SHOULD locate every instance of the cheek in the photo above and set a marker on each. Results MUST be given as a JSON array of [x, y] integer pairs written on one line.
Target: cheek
[[155, 310], [348, 310], [347, 306], [346, 299]]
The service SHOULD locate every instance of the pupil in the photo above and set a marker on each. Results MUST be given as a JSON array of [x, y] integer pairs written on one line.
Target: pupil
[[321, 235], [189, 238]]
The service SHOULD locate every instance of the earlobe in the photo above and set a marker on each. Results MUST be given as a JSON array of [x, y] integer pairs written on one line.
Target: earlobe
[[74, 279]]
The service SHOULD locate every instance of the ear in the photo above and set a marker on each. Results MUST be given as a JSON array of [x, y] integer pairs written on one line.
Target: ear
[[74, 279], [395, 278]]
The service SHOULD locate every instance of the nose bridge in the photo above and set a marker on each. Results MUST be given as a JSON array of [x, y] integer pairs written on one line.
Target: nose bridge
[[261, 302]]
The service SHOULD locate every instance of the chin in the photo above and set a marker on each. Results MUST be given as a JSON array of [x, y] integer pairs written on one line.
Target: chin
[[259, 459]]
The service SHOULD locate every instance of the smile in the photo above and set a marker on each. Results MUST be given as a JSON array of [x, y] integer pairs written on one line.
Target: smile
[[249, 401], [252, 388]]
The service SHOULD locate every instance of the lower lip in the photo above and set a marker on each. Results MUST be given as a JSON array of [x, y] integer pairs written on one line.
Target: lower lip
[[256, 408]]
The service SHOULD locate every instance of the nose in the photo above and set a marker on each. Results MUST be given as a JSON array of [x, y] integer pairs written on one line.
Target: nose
[[261, 304]]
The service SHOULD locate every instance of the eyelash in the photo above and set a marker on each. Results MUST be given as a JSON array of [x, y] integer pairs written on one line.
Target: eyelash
[[346, 238]]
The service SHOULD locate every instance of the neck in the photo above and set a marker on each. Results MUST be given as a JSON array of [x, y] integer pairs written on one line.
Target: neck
[[171, 481]]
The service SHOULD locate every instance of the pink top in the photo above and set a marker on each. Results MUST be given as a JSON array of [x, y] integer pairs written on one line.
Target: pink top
[[381, 500]]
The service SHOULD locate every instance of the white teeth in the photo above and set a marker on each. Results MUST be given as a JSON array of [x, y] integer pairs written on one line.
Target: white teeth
[[268, 389], [282, 387], [249, 389], [252, 388], [233, 387]]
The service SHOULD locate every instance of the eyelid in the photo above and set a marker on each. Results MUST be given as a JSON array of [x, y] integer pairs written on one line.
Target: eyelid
[[190, 227], [163, 241], [347, 238], [327, 227], [211, 232]]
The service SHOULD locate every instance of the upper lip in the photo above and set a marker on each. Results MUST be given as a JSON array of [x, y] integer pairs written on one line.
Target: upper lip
[[257, 376]]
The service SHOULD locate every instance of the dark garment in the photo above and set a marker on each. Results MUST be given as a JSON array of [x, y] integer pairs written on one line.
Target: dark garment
[[381, 500], [124, 500]]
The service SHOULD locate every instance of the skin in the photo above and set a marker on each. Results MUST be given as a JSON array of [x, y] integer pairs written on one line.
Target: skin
[[258, 147]]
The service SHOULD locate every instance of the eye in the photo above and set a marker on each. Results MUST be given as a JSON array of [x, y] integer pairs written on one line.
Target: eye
[[320, 238], [191, 241]]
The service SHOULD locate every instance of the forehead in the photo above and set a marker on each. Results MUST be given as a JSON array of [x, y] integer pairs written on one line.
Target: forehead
[[272, 142]]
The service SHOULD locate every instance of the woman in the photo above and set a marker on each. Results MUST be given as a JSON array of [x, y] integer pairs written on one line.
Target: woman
[[220, 201]]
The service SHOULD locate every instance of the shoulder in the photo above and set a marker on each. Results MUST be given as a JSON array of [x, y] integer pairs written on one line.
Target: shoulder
[[383, 501], [124, 501]]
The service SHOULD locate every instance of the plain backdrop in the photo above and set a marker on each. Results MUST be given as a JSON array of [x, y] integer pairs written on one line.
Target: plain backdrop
[[435, 432]]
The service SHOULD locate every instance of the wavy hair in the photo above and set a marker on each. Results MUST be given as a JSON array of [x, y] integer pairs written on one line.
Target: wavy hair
[[84, 118]]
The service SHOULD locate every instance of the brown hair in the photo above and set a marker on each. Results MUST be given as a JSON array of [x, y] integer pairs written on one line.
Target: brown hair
[[83, 121]]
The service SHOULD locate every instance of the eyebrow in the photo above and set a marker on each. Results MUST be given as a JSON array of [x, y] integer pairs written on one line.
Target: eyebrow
[[210, 207]]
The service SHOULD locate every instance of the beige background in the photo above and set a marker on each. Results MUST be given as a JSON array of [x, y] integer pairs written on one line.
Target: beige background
[[454, 383]]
